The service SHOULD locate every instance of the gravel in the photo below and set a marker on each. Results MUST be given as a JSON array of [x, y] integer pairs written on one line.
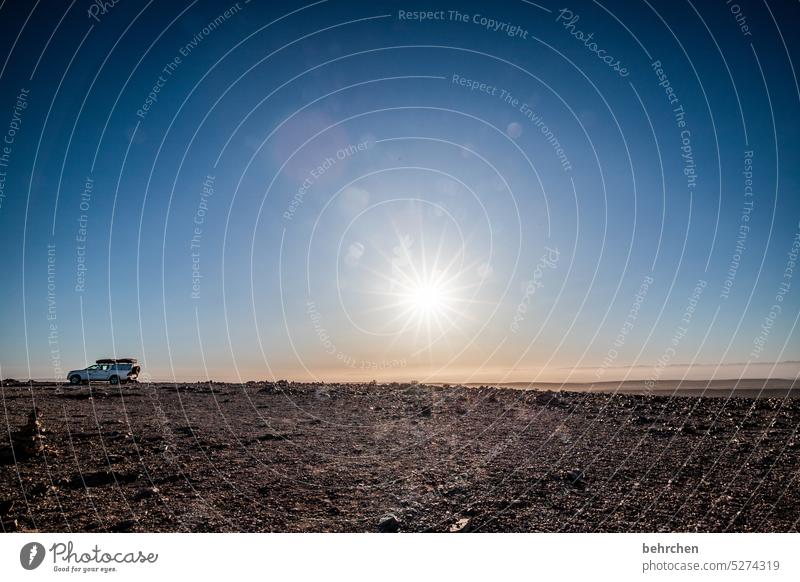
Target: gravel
[[394, 457]]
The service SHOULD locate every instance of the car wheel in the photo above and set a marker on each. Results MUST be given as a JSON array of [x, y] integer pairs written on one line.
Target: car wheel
[[75, 379], [114, 380]]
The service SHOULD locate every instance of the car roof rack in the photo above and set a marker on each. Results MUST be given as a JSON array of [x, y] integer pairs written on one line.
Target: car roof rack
[[116, 361]]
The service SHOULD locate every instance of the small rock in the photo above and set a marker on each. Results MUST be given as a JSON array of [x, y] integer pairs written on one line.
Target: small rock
[[274, 436], [455, 490], [549, 399], [463, 525], [145, 493], [39, 489], [576, 478], [389, 524]]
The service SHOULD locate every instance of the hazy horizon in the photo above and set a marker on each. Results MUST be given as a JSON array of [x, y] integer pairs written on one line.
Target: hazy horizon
[[784, 371]]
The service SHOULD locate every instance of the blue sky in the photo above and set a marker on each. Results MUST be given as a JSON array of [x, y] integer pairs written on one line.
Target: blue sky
[[374, 196]]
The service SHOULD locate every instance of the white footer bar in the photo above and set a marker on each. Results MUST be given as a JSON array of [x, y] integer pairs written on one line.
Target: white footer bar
[[401, 557]]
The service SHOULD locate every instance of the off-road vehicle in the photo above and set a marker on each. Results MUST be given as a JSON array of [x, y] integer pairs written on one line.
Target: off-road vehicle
[[111, 370]]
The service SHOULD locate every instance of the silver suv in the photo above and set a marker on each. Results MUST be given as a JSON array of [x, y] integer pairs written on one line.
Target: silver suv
[[109, 370]]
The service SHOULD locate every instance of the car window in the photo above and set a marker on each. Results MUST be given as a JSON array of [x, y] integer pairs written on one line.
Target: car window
[[93, 367]]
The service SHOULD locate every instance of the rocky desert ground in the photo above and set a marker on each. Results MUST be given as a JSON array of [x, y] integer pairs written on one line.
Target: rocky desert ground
[[286, 457]]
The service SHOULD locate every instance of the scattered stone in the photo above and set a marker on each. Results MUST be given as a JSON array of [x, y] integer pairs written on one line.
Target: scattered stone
[[389, 524], [455, 490], [269, 388], [26, 443], [549, 399], [145, 493], [463, 525], [689, 428], [38, 489], [502, 465], [576, 478]]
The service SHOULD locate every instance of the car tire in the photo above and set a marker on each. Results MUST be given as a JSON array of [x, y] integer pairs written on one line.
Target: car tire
[[113, 380], [75, 379]]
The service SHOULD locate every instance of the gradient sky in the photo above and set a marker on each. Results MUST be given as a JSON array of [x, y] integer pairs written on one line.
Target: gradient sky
[[334, 173]]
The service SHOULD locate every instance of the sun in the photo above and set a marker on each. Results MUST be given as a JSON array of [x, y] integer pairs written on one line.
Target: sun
[[424, 295], [428, 299]]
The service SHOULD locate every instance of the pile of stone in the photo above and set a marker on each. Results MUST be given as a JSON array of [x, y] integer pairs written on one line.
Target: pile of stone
[[26, 443]]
